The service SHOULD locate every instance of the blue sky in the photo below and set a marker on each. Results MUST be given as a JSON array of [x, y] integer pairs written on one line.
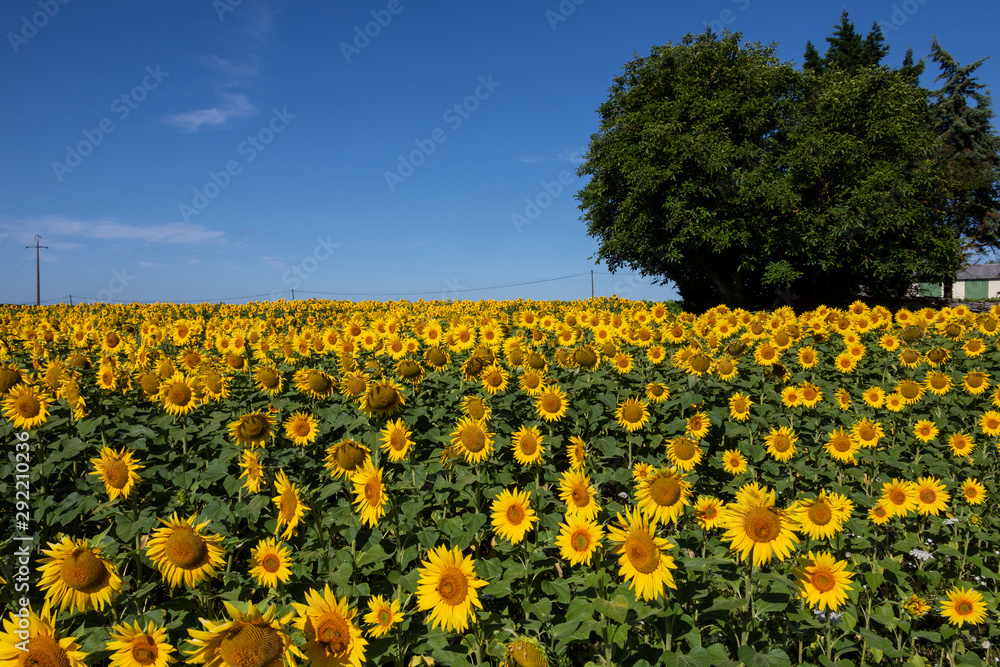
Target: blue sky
[[207, 150]]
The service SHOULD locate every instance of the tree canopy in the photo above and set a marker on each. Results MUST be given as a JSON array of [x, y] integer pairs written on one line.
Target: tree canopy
[[745, 181]]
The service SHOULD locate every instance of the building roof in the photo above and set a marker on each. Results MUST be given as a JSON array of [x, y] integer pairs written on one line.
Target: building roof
[[980, 272]]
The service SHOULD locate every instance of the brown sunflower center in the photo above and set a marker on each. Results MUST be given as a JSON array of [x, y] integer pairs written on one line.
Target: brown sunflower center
[[580, 495], [964, 608], [515, 514], [27, 406], [700, 363], [642, 552], [213, 381], [84, 572], [782, 443], [762, 524], [355, 385], [909, 389], [665, 490], [383, 397], [319, 383], [867, 432], [823, 580], [268, 378], [288, 504], [585, 357], [452, 586], [350, 455], [841, 444], [897, 496], [333, 631], [186, 550], [936, 355], [8, 378], [709, 513], [684, 449], [410, 369], [44, 651], [580, 541], [179, 394], [250, 645], [144, 650], [974, 380], [254, 428], [436, 357], [820, 513], [397, 440], [373, 491], [527, 444], [928, 497], [271, 563], [551, 403], [116, 473], [473, 438], [632, 413], [384, 617]]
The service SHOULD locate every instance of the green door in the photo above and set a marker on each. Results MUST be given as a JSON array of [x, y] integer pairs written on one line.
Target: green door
[[930, 289], [977, 289]]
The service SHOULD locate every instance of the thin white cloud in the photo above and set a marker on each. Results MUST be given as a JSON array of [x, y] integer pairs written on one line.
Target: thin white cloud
[[63, 229], [233, 106], [153, 265]]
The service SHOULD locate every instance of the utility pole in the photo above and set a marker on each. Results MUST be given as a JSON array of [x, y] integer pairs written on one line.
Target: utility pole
[[38, 274], [591, 283]]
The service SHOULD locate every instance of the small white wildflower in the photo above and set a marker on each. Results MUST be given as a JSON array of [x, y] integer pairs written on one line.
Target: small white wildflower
[[920, 554]]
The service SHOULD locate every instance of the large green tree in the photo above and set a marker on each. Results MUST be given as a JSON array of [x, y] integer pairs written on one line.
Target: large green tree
[[743, 180]]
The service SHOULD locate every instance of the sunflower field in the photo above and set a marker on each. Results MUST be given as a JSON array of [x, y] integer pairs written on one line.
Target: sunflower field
[[522, 483]]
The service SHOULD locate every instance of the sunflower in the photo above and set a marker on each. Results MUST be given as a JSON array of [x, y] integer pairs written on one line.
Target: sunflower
[[579, 496], [874, 397], [766, 354], [25, 407], [989, 423], [975, 383], [578, 539], [841, 446], [314, 382], [531, 382], [781, 443], [268, 380], [182, 553], [895, 402], [74, 576], [622, 363], [916, 606], [344, 458], [909, 358], [932, 498], [822, 517], [708, 512], [823, 581], [879, 514], [843, 399], [807, 357], [332, 638], [974, 347], [33, 641], [252, 428], [642, 555], [576, 451], [756, 529], [472, 439], [382, 615], [963, 605], [447, 588], [973, 492], [250, 462], [911, 391], [657, 392], [494, 379], [382, 398], [178, 394], [551, 403], [662, 495], [270, 560], [632, 414], [474, 407], [353, 384], [925, 430], [734, 462], [369, 492], [899, 497], [134, 647], [527, 444], [810, 394], [790, 397], [289, 505], [118, 471], [684, 453], [212, 385], [739, 406], [512, 515], [301, 428], [867, 433], [412, 373], [396, 442], [937, 383], [250, 638]]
